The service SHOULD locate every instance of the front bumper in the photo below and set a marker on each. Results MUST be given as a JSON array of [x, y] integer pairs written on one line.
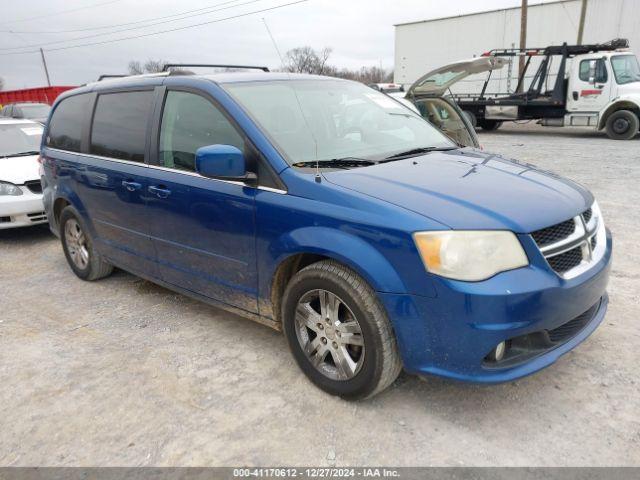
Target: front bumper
[[451, 334], [21, 211]]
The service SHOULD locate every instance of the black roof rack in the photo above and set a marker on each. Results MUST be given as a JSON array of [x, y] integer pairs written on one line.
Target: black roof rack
[[169, 66]]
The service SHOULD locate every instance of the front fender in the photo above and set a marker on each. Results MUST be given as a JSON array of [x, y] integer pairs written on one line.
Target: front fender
[[623, 102], [343, 247]]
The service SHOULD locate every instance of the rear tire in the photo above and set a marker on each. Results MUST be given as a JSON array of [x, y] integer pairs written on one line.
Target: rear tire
[[338, 332], [489, 125], [622, 125], [79, 249]]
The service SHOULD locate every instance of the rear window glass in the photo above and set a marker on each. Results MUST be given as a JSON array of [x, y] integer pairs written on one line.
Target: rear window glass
[[120, 124], [65, 127]]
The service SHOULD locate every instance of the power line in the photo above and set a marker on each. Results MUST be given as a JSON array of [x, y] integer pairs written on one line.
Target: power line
[[55, 42], [161, 31], [63, 12], [106, 27]]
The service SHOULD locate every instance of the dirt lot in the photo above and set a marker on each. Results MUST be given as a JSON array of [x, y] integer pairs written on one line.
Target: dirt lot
[[121, 372]]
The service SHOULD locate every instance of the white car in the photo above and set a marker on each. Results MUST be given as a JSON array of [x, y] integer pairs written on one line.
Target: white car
[[20, 188]]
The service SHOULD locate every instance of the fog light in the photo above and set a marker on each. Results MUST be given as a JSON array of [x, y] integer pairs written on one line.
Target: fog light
[[497, 353]]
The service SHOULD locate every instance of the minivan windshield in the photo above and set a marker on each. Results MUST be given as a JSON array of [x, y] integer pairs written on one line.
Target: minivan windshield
[[18, 139], [626, 69], [328, 120]]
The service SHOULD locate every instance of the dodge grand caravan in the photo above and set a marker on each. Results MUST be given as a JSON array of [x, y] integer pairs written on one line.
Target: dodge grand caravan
[[325, 209]]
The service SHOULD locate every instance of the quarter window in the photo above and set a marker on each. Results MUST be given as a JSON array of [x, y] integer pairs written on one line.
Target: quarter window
[[120, 125], [65, 127], [190, 121]]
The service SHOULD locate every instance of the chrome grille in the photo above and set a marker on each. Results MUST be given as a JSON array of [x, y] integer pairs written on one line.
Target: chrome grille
[[554, 233], [571, 244]]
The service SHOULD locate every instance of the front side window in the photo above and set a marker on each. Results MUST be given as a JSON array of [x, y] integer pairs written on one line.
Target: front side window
[[35, 111], [65, 127], [316, 120], [594, 70], [190, 121], [19, 139], [625, 69], [120, 125]]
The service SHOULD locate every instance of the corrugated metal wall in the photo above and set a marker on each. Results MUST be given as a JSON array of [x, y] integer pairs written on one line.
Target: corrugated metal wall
[[423, 46]]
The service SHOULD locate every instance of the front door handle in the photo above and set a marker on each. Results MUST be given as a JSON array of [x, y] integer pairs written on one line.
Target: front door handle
[[160, 191], [131, 186], [575, 95]]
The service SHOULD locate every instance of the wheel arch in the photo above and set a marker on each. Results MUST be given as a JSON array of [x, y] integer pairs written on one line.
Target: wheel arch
[[308, 245], [620, 104]]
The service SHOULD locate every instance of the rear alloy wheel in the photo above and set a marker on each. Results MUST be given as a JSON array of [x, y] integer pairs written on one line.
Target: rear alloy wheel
[[622, 125], [77, 244], [338, 332]]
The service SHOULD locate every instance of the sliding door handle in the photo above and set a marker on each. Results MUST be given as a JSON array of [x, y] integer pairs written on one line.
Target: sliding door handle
[[131, 186], [160, 191]]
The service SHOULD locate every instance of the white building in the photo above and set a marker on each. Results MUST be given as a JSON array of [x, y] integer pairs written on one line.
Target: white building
[[424, 45]]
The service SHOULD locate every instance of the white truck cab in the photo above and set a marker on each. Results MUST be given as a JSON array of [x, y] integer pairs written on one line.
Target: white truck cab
[[604, 92]]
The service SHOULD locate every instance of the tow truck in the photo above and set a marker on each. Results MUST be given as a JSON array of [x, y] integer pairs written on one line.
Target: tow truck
[[595, 86]]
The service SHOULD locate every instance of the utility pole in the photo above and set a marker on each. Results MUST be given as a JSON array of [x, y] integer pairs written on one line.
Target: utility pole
[[44, 64], [523, 41], [583, 16]]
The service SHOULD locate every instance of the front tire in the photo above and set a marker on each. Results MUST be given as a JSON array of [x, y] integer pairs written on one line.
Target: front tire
[[338, 332], [79, 249], [622, 125]]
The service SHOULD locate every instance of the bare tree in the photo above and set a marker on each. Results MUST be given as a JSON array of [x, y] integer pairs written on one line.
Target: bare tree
[[307, 60], [150, 66]]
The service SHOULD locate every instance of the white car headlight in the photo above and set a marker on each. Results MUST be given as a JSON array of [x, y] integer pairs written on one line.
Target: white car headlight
[[7, 188], [470, 255]]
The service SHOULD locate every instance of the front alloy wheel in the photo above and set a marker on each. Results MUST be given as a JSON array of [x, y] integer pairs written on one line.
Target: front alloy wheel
[[330, 335]]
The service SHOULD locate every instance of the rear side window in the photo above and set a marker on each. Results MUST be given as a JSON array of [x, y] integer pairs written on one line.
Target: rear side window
[[189, 122], [65, 127], [120, 125]]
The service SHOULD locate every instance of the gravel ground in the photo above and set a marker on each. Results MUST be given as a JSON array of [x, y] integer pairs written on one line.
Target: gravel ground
[[122, 372]]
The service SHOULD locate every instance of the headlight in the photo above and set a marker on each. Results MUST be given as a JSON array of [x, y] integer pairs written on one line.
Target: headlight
[[7, 188], [470, 255]]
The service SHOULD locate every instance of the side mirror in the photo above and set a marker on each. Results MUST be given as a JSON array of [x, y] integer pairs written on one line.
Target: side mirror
[[224, 162]]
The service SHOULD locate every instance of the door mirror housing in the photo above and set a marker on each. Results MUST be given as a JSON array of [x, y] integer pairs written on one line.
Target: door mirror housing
[[223, 162]]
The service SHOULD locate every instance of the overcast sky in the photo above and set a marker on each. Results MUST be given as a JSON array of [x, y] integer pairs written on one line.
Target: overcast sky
[[360, 32]]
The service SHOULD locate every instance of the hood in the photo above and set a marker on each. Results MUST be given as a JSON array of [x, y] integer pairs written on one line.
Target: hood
[[466, 189], [437, 81], [18, 170]]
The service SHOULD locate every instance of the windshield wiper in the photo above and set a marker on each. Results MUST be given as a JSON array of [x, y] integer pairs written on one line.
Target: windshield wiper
[[346, 162], [22, 154], [416, 151]]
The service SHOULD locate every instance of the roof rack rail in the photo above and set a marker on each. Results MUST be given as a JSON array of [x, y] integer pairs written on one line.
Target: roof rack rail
[[168, 66], [103, 77]]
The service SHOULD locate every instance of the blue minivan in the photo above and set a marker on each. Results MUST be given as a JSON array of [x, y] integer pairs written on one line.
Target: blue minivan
[[325, 209]]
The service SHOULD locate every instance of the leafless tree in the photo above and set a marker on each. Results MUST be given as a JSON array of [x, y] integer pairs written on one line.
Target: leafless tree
[[150, 66], [307, 60]]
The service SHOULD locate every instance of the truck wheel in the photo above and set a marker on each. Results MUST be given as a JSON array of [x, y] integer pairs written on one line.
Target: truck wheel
[[338, 332], [622, 125], [472, 118], [489, 125], [77, 244]]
